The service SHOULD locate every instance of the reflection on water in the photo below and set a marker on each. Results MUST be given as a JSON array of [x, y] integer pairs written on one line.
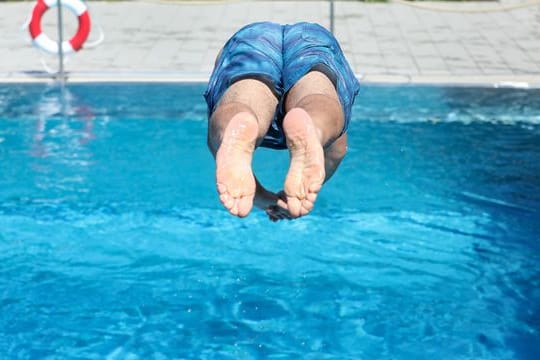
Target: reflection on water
[[62, 132], [61, 115]]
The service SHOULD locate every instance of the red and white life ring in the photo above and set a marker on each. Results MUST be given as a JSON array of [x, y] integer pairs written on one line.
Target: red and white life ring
[[43, 42]]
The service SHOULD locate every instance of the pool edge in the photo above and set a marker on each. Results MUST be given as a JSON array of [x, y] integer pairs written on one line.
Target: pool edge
[[507, 81]]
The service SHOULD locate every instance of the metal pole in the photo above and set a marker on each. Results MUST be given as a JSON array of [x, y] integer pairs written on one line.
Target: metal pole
[[332, 16], [60, 41]]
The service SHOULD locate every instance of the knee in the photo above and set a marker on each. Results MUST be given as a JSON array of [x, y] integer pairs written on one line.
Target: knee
[[338, 149]]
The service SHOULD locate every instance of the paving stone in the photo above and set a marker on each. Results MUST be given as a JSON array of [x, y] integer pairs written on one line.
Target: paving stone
[[379, 39], [423, 50], [464, 70], [430, 63]]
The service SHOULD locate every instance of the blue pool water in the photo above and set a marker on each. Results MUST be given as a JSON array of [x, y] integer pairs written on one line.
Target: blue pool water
[[113, 245]]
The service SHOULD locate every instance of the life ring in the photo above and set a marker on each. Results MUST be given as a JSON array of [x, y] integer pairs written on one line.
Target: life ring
[[43, 42]]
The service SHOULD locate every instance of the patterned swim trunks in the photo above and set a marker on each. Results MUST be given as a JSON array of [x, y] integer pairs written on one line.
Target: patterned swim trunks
[[279, 56]]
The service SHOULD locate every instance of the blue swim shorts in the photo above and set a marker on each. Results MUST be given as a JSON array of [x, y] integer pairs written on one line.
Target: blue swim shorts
[[279, 55]]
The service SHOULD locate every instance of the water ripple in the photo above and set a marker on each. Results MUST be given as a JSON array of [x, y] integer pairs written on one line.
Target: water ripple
[[113, 246]]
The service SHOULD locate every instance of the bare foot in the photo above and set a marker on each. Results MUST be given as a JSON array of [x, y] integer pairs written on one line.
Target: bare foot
[[268, 202], [306, 171], [234, 178]]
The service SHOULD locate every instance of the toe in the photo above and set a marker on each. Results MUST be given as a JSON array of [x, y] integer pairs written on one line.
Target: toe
[[307, 206], [221, 188], [226, 200], [234, 208], [244, 206], [315, 187], [294, 205], [282, 203], [311, 197]]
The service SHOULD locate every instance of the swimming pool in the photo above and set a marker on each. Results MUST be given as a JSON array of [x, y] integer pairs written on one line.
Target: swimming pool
[[113, 243]]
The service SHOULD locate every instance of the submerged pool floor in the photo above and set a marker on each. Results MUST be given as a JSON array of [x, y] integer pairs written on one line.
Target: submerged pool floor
[[113, 243]]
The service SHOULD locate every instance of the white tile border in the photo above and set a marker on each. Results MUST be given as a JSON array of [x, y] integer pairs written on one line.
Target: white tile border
[[506, 81]]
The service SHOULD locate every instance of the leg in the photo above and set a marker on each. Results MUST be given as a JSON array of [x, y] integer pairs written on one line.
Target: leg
[[313, 122], [237, 125], [333, 155]]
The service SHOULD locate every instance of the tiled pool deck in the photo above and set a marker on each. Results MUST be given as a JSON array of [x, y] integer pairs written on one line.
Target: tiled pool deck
[[385, 42]]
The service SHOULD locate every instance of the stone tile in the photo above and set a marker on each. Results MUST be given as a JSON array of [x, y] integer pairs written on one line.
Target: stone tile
[[495, 70], [369, 70], [529, 67], [515, 56], [423, 50], [418, 36], [535, 56], [369, 47], [381, 38], [381, 16], [457, 63], [368, 60], [464, 70], [426, 71], [408, 71], [430, 63], [393, 47], [452, 51], [528, 44], [395, 61]]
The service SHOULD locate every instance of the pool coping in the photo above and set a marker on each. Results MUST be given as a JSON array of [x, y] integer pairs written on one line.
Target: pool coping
[[526, 81]]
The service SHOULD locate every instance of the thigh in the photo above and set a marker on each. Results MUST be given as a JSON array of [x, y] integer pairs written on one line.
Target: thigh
[[312, 83], [254, 52], [249, 95], [308, 47], [315, 93]]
